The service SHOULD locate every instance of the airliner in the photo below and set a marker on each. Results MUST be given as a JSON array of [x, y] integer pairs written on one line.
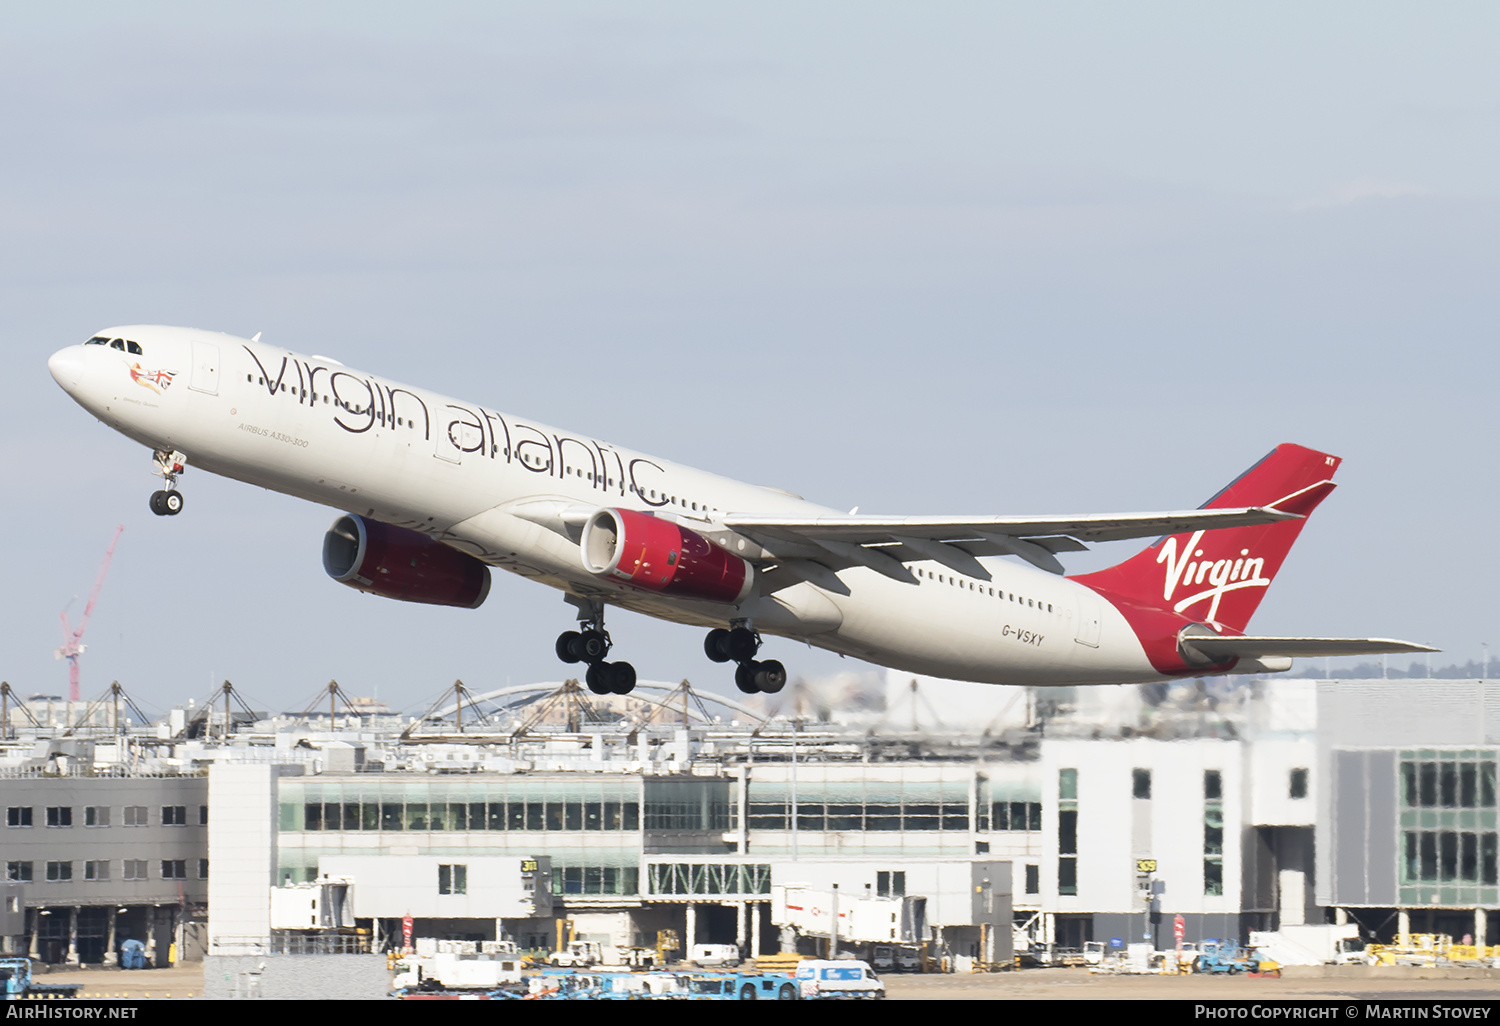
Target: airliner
[[434, 491]]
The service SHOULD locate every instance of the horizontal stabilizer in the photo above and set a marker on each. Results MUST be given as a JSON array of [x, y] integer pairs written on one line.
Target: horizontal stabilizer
[[866, 530], [1221, 649]]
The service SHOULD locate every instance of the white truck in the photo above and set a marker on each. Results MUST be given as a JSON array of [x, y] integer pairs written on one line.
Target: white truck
[[714, 956], [582, 953], [837, 978], [1312, 944]]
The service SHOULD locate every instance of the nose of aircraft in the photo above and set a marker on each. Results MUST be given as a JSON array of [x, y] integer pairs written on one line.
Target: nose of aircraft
[[66, 366]]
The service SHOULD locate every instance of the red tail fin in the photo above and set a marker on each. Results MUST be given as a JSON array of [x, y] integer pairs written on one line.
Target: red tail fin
[[1219, 577]]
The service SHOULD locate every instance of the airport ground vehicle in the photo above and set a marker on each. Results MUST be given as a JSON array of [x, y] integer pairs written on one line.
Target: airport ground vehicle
[[17, 983], [578, 953], [1225, 957], [714, 955], [838, 978]]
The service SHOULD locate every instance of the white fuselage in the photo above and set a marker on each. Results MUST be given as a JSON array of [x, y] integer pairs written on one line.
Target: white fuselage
[[464, 473]]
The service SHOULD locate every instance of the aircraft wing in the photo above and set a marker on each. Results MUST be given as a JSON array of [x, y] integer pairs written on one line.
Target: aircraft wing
[[882, 542], [1219, 649]]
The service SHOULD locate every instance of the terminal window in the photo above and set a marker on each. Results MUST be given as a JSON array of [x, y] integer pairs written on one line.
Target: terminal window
[[1140, 783], [453, 879], [18, 816], [57, 872], [135, 869], [174, 869], [60, 816], [174, 815], [96, 815], [1213, 832], [18, 871], [1298, 787], [135, 815], [1067, 831]]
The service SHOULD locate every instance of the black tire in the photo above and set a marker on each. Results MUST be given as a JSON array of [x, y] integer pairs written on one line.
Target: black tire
[[596, 679], [593, 646], [741, 645], [568, 644], [156, 506], [747, 992], [744, 678], [621, 677], [716, 645], [770, 677], [786, 993], [172, 502]]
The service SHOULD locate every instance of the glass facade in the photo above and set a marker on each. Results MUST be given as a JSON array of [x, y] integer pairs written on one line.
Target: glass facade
[[724, 880], [865, 806], [518, 804], [1450, 847]]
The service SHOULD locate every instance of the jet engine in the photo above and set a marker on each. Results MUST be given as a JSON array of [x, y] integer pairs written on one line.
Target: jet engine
[[658, 555], [402, 564]]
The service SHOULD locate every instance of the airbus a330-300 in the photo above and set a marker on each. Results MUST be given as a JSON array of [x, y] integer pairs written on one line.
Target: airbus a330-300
[[438, 490]]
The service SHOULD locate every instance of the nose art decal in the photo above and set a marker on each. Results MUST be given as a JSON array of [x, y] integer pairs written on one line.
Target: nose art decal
[[156, 380]]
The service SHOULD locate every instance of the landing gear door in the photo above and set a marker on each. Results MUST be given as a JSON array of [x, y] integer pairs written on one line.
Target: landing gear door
[[1088, 620], [205, 368]]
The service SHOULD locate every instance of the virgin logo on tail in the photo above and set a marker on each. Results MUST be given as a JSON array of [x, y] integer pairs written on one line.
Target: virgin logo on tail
[[1189, 570]]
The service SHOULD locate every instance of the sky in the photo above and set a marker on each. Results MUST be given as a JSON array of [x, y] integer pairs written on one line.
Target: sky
[[967, 258]]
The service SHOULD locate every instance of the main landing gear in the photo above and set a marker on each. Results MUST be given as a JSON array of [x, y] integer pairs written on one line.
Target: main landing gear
[[167, 502], [590, 645], [740, 644]]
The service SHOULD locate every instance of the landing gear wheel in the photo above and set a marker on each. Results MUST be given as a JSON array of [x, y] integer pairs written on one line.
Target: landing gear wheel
[[770, 676], [593, 646], [716, 645], [741, 644], [596, 678], [621, 678], [172, 503], [156, 504], [744, 678], [569, 646]]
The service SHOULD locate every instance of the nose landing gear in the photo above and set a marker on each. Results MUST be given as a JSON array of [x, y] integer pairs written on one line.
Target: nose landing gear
[[740, 644], [167, 502], [590, 645]]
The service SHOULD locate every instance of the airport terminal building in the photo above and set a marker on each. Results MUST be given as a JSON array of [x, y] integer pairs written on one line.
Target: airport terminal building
[[1090, 814]]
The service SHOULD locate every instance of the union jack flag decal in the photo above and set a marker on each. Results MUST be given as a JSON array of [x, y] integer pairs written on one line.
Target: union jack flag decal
[[156, 380]]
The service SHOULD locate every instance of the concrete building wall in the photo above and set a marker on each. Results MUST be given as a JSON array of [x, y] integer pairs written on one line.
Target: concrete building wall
[[166, 826], [242, 850], [296, 977], [401, 885]]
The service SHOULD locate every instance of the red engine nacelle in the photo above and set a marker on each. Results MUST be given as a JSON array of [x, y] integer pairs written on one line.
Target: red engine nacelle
[[658, 555], [402, 564]]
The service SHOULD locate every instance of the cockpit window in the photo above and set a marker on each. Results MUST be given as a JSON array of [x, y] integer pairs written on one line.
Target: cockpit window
[[97, 340], [131, 347], [119, 344]]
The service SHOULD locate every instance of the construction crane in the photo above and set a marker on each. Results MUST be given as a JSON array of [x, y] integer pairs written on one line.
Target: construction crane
[[71, 648]]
